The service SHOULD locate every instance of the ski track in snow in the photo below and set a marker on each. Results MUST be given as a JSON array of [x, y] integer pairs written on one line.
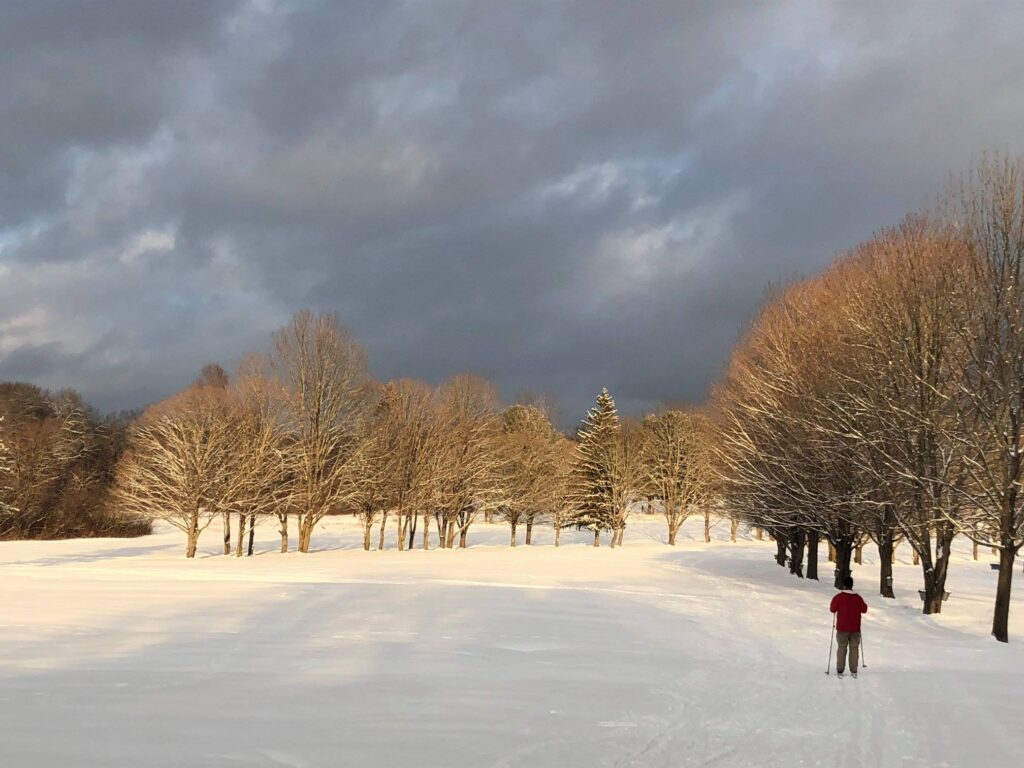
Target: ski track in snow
[[124, 653]]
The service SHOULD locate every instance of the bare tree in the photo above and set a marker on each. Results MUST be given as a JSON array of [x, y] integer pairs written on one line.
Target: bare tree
[[372, 480], [408, 451], [903, 302], [676, 465], [177, 465], [214, 378], [562, 512], [325, 397], [625, 476], [257, 481], [989, 433], [532, 467], [469, 465]]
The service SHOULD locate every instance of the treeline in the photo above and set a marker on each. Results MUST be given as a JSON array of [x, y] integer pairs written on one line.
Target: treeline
[[304, 432], [884, 399], [57, 462]]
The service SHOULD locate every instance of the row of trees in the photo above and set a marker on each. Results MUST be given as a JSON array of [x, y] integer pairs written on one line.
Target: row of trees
[[57, 460], [885, 397], [304, 432]]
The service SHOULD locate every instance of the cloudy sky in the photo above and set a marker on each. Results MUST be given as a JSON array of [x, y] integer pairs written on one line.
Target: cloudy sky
[[563, 196]]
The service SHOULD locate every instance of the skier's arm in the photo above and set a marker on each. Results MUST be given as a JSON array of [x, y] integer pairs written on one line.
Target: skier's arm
[[863, 605], [832, 606]]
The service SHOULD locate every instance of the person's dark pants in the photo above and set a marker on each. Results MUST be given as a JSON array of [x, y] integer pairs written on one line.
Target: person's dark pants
[[851, 641]]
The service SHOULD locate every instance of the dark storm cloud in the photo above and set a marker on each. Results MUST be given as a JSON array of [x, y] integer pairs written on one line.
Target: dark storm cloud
[[563, 196]]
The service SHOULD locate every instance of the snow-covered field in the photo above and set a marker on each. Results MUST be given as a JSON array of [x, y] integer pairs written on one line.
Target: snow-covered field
[[122, 653]]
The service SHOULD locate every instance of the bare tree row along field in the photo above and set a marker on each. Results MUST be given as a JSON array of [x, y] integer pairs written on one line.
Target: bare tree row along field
[[884, 399], [304, 432]]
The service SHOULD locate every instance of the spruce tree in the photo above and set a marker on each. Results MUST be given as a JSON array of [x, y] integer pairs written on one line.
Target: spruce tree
[[591, 476]]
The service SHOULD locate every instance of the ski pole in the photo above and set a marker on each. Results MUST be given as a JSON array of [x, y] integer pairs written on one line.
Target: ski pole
[[863, 662], [832, 637]]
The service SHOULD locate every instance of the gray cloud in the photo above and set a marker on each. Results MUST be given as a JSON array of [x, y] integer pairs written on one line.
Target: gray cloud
[[562, 196]]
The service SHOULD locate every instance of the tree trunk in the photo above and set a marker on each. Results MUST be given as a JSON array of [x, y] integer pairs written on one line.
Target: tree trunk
[[306, 532], [885, 557], [413, 519], [760, 534], [283, 519], [426, 531], [252, 534], [513, 534], [781, 541], [241, 535], [797, 540], [367, 531], [917, 557], [193, 534], [831, 551], [673, 529], [974, 550], [558, 535], [733, 525], [226, 517], [1001, 614], [597, 538], [463, 535], [613, 542], [844, 553], [858, 553], [812, 554], [707, 527], [383, 525], [529, 530], [935, 574]]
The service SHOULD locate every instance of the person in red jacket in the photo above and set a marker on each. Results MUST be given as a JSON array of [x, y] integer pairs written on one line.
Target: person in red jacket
[[848, 607]]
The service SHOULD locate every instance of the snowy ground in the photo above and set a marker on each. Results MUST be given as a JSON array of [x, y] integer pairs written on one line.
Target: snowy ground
[[122, 653]]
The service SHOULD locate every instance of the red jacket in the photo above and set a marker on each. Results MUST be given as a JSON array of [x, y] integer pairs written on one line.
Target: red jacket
[[848, 606]]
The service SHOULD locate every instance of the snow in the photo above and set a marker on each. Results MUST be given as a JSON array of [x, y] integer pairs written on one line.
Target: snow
[[122, 653]]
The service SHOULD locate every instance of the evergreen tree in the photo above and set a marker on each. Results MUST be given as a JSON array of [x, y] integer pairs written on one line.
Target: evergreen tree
[[591, 481]]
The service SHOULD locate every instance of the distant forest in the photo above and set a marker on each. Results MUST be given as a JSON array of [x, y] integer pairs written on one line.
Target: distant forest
[[57, 464]]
